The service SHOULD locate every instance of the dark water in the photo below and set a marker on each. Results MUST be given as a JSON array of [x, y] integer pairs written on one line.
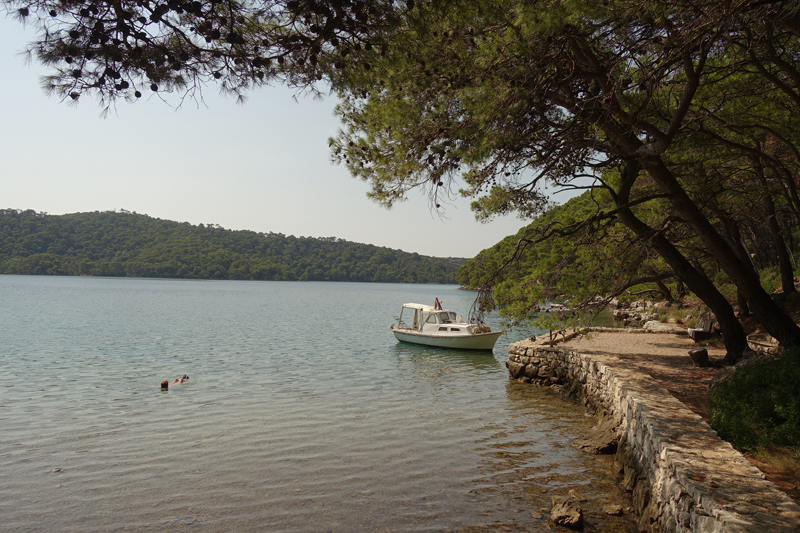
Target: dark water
[[302, 413]]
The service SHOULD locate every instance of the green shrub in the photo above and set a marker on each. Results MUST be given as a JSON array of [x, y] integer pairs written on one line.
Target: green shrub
[[759, 405], [724, 286], [770, 279]]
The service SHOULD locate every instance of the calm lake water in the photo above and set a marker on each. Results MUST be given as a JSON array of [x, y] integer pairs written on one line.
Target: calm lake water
[[302, 413]]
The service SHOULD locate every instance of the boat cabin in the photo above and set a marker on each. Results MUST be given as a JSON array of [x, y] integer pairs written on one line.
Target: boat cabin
[[429, 318]]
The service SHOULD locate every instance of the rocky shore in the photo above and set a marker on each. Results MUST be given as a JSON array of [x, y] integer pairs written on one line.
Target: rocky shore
[[682, 477]]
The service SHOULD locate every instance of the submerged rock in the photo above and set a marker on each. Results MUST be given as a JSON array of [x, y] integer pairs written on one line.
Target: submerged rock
[[601, 440], [566, 512], [612, 509]]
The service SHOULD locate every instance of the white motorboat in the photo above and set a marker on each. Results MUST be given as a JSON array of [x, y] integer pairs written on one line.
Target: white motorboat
[[434, 326]]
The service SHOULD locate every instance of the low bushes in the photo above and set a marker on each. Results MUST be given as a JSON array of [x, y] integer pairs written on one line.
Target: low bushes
[[758, 407]]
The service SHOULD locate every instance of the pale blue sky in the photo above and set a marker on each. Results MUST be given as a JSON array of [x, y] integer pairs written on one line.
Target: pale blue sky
[[262, 166]]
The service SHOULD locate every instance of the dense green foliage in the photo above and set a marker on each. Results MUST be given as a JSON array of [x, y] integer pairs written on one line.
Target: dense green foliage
[[550, 259], [129, 49], [759, 405], [542, 256], [490, 265], [680, 113], [130, 244]]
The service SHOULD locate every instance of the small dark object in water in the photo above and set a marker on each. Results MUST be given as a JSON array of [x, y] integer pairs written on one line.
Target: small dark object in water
[[164, 384]]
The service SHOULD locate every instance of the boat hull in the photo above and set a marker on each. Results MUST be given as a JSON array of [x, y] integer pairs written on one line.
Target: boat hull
[[480, 341]]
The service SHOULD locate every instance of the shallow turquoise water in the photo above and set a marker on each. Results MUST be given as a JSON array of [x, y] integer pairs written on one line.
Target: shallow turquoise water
[[302, 413]]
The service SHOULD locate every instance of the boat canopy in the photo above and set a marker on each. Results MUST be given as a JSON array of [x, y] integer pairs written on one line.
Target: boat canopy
[[421, 307]]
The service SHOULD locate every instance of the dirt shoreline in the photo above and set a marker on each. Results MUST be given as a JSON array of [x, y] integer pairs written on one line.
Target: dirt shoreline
[[664, 357]]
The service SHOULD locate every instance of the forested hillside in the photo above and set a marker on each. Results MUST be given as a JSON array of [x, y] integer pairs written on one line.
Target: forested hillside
[[579, 252], [129, 244], [524, 270]]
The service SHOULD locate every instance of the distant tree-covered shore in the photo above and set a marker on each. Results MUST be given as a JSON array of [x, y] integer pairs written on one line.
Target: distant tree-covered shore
[[128, 244]]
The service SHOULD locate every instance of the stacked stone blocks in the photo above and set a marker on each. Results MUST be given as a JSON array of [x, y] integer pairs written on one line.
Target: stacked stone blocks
[[682, 476]]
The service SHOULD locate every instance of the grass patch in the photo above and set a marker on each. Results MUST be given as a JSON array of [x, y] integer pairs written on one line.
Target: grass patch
[[770, 279], [687, 313], [758, 407]]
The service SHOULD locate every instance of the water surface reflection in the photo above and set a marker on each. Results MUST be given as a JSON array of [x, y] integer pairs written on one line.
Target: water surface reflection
[[292, 421]]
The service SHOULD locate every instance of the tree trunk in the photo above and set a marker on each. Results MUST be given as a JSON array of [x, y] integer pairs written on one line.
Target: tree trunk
[[771, 316], [735, 240], [784, 262], [744, 310], [700, 270], [778, 245], [680, 289], [665, 291], [732, 332], [736, 243]]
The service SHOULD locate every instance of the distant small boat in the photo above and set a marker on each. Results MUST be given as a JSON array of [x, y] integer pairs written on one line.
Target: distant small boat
[[434, 326]]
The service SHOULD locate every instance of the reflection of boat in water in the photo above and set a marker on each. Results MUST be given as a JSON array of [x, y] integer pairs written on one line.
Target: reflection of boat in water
[[432, 361], [434, 326]]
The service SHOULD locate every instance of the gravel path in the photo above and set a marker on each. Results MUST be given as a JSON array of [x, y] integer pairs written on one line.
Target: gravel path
[[664, 356]]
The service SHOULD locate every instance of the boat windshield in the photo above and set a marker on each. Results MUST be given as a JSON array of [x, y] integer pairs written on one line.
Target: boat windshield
[[445, 317]]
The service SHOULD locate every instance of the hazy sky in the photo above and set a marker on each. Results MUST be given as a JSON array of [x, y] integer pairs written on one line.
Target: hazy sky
[[261, 166]]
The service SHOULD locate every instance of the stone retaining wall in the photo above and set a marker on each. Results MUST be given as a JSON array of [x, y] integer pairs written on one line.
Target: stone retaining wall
[[682, 475]]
